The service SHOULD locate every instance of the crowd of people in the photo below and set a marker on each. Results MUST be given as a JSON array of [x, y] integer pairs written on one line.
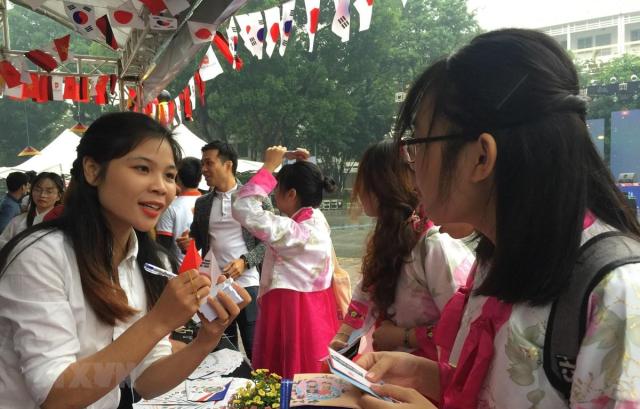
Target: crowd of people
[[485, 204]]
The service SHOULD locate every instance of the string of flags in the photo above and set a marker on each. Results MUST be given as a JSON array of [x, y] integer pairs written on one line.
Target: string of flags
[[260, 31]]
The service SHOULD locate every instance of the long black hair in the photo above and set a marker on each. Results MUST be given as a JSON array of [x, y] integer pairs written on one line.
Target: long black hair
[[521, 87], [110, 137]]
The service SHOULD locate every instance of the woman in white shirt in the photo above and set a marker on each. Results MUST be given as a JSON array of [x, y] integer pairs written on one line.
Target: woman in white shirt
[[46, 193], [78, 314]]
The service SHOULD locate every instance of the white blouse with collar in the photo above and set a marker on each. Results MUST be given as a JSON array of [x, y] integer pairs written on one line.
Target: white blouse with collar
[[46, 324]]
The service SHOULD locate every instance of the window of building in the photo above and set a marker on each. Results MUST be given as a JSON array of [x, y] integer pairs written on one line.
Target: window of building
[[585, 42], [603, 39], [635, 35]]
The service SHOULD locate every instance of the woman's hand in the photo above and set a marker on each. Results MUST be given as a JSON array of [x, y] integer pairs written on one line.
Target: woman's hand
[[227, 311], [179, 300], [298, 154], [403, 369], [387, 337], [339, 341], [406, 398], [273, 157]]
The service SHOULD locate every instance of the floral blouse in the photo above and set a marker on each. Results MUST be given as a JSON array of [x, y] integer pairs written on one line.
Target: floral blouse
[[607, 371]]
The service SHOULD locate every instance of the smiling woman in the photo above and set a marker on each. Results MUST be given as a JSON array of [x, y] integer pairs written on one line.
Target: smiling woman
[[79, 312]]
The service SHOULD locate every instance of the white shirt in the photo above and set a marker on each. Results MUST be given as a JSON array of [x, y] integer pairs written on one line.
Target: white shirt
[[176, 219], [19, 224], [46, 323], [225, 236]]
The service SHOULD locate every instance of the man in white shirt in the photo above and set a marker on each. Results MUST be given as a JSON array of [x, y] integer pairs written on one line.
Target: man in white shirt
[[178, 217], [238, 253]]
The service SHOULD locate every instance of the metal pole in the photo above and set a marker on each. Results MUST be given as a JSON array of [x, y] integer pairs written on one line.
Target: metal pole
[[5, 25]]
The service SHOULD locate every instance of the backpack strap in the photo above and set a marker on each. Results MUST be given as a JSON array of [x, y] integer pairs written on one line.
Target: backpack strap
[[568, 317]]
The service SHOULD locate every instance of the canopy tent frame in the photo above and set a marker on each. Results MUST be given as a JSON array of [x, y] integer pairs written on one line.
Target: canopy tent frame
[[149, 60]]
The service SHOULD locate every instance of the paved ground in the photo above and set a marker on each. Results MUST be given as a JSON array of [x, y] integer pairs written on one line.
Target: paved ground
[[349, 236]]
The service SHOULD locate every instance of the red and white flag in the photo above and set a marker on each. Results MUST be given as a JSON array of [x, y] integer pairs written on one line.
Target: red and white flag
[[48, 58], [125, 15], [249, 25], [286, 25], [232, 41], [225, 48], [84, 18], [192, 92], [201, 32], [210, 66], [272, 28], [365, 10], [178, 118], [105, 28], [20, 63], [342, 19], [57, 85], [313, 16], [160, 23], [176, 6]]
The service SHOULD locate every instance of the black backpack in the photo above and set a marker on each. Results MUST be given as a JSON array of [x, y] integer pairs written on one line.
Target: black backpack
[[568, 317]]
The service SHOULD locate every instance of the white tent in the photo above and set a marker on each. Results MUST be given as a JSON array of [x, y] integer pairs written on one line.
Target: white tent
[[56, 157]]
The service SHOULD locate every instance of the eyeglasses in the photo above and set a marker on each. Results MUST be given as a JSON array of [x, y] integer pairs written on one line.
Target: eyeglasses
[[408, 143], [44, 192]]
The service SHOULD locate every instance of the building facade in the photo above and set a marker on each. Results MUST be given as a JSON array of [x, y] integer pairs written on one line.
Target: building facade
[[600, 38]]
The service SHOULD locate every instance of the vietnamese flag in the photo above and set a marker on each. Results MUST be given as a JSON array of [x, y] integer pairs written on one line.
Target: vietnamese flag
[[46, 89], [113, 80], [32, 90], [71, 90], [101, 90], [83, 92], [192, 259], [10, 74]]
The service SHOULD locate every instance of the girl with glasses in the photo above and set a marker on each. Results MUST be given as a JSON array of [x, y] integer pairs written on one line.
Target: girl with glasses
[[46, 192], [500, 142]]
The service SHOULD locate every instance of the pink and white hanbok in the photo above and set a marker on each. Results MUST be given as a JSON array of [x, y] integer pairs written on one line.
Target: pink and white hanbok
[[298, 316]]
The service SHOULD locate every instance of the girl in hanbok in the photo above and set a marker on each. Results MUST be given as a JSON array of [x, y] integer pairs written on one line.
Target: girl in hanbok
[[298, 314], [497, 136], [407, 281]]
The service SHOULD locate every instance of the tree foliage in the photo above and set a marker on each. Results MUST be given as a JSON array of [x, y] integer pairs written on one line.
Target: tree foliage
[[340, 98], [334, 101]]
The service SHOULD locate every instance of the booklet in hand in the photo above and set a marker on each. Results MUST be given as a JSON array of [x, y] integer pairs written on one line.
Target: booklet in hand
[[351, 372]]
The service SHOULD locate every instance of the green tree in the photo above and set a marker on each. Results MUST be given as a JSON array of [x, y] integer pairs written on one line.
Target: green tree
[[340, 98], [621, 68]]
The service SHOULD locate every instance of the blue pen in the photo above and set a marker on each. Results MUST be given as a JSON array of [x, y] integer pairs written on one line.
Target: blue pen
[[150, 268]]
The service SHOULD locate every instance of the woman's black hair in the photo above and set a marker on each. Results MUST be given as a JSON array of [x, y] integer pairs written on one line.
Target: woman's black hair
[[521, 87], [56, 179], [307, 179], [110, 137]]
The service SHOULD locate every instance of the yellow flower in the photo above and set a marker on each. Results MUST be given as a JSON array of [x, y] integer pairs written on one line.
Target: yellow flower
[[275, 405]]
